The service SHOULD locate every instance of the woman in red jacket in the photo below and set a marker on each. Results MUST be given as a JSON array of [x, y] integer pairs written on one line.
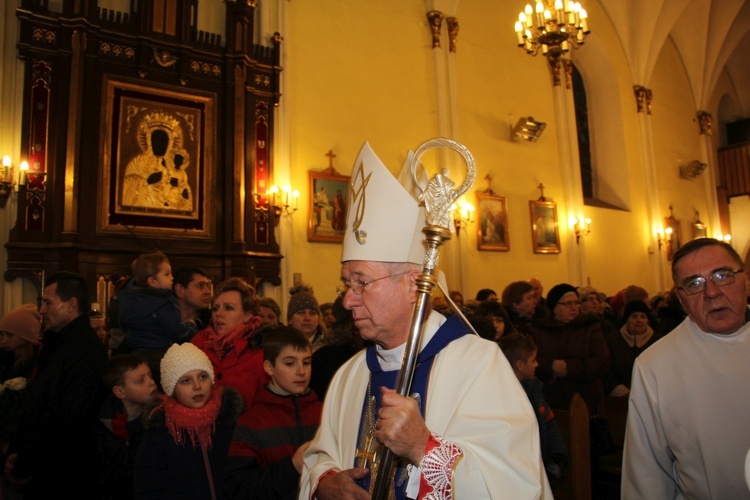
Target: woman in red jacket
[[232, 342]]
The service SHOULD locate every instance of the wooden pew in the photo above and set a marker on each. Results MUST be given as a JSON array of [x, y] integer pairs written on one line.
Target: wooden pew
[[609, 466], [574, 427]]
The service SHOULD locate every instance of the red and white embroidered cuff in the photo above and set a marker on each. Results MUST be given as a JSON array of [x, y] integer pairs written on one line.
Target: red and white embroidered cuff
[[437, 467]]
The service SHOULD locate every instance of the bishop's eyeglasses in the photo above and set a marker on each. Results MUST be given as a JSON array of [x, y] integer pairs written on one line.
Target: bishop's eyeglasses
[[720, 277], [358, 286]]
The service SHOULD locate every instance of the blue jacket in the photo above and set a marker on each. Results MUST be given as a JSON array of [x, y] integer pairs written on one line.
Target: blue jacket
[[152, 320], [554, 452]]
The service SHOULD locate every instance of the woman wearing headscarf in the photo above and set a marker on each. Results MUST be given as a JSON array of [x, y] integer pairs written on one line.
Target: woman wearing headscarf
[[634, 337], [572, 352]]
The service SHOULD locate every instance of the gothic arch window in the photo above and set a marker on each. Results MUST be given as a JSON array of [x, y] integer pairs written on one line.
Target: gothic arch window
[[584, 137], [599, 125]]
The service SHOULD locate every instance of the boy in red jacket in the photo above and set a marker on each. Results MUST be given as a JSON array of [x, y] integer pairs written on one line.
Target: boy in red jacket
[[265, 457]]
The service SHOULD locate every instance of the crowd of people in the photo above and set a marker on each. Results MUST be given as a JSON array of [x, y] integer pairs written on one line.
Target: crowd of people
[[185, 389], [207, 426]]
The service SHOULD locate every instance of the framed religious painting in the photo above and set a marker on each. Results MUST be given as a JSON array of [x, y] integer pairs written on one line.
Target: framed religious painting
[[545, 234], [157, 157], [492, 223], [326, 221], [699, 228], [674, 235]]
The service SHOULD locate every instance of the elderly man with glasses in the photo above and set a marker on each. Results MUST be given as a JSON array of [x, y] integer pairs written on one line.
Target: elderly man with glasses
[[467, 430], [687, 431]]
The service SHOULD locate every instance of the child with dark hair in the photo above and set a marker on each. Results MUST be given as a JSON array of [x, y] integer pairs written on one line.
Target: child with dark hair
[[495, 312], [521, 353], [128, 378], [265, 458]]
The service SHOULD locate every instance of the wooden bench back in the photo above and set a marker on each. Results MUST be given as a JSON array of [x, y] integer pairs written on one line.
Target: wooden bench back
[[574, 427]]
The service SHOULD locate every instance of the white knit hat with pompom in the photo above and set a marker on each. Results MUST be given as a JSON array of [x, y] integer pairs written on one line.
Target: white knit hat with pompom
[[180, 359]]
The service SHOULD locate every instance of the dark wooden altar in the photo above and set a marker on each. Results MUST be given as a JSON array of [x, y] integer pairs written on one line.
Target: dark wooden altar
[[100, 88]]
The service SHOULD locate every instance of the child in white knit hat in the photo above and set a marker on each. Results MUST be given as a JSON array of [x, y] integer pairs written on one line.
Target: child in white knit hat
[[186, 443]]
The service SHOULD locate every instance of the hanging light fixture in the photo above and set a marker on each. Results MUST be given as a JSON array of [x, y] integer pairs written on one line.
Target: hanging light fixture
[[553, 26]]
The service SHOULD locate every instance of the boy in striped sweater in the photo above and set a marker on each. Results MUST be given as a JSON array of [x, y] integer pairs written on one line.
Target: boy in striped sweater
[[265, 457]]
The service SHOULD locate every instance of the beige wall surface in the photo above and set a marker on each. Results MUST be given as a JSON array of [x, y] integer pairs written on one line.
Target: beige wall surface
[[360, 72]]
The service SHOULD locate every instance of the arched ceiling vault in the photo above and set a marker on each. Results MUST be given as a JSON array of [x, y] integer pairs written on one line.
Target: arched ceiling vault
[[711, 37]]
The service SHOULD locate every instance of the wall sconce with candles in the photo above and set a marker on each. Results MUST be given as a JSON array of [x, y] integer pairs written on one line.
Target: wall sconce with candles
[[463, 215], [277, 202], [7, 178], [663, 237], [726, 238], [7, 182], [581, 227]]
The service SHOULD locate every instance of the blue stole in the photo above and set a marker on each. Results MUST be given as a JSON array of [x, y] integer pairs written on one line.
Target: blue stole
[[451, 330]]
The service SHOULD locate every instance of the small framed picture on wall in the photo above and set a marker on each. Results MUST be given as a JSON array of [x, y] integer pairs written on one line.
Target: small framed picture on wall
[[492, 223], [545, 236]]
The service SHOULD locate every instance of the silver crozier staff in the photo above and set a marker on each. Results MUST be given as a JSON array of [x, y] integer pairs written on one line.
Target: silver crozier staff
[[438, 198]]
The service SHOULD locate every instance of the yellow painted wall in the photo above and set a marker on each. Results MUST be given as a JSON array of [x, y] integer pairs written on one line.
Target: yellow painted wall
[[358, 71]]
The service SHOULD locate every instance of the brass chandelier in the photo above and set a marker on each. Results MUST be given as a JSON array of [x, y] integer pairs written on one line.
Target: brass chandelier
[[552, 27]]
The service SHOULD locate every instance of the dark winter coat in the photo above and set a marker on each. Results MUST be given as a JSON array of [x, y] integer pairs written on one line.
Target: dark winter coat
[[554, 453], [267, 435], [66, 395], [581, 345], [623, 358], [13, 402], [326, 361], [165, 470], [117, 441], [152, 320]]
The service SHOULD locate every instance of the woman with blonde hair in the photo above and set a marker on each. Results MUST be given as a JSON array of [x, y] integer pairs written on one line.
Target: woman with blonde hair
[[232, 341]]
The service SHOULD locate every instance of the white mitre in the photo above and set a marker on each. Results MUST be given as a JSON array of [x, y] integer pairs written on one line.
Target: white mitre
[[383, 220]]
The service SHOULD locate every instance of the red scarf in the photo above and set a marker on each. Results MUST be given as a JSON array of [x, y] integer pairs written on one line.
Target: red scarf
[[197, 423], [224, 344]]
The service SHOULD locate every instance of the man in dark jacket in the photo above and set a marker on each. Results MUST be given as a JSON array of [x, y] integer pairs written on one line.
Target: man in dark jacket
[[54, 451]]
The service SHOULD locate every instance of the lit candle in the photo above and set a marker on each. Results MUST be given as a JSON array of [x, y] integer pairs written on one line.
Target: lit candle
[[584, 21], [540, 15], [24, 167], [519, 33], [295, 196], [7, 168], [470, 212], [274, 191], [529, 11]]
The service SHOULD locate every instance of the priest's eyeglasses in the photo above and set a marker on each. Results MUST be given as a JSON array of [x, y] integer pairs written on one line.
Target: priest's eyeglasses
[[720, 277], [358, 286]]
